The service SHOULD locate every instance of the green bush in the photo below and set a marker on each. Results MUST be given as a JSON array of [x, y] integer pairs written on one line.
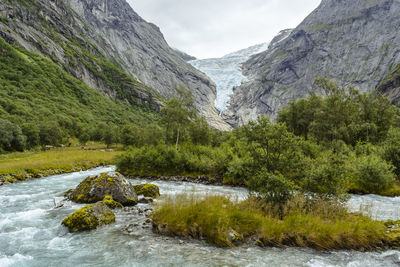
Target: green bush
[[11, 137], [273, 187], [391, 149], [373, 175]]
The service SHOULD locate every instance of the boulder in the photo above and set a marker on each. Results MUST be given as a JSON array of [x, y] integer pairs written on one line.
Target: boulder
[[89, 217], [95, 188], [111, 203], [147, 190]]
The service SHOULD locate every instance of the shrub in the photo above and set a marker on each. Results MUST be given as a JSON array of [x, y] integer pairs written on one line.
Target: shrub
[[373, 175], [11, 137], [391, 149], [273, 187]]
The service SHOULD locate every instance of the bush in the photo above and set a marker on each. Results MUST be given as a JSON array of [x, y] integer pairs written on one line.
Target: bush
[[327, 175], [273, 187], [391, 149], [373, 175], [11, 138]]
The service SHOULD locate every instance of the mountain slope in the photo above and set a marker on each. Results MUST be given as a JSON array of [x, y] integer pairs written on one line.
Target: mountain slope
[[52, 29], [36, 91], [353, 41], [144, 53], [108, 46]]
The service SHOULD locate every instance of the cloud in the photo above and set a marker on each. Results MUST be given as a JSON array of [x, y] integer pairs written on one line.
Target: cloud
[[213, 28]]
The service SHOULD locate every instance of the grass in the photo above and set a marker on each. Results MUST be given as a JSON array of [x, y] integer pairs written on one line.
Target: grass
[[59, 160], [317, 224]]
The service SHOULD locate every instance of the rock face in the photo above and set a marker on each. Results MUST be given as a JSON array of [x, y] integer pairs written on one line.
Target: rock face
[[110, 47], [390, 86], [144, 53], [185, 56], [53, 30], [96, 188], [89, 217], [353, 41]]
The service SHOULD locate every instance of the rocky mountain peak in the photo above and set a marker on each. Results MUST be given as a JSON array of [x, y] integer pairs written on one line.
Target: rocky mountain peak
[[352, 41]]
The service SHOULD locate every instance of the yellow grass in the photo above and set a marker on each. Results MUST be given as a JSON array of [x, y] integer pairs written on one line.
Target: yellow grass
[[321, 225], [59, 158]]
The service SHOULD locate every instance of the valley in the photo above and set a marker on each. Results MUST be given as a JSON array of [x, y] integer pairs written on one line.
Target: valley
[[285, 153]]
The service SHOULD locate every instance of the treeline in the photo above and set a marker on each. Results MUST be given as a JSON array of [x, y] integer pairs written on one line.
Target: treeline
[[344, 142], [41, 104]]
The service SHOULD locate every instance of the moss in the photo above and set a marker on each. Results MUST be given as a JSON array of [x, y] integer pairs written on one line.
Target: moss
[[393, 233], [10, 179], [111, 203], [89, 217], [95, 188], [147, 190]]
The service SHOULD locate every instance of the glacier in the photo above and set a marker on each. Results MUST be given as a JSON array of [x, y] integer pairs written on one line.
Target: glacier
[[226, 71]]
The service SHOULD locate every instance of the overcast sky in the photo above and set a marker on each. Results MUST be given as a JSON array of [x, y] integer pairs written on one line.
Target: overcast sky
[[213, 28]]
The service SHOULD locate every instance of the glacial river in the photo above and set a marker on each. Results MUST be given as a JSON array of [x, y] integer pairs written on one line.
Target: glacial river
[[31, 233]]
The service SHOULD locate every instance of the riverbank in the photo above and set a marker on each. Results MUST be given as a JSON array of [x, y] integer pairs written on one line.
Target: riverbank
[[320, 225], [17, 167]]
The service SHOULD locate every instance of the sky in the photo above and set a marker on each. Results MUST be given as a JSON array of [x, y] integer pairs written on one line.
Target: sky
[[213, 28]]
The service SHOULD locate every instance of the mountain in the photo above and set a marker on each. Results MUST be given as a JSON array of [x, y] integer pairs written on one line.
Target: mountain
[[390, 86], [226, 71], [185, 56], [108, 46], [352, 41]]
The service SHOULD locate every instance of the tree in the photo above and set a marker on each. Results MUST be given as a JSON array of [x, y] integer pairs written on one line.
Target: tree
[[50, 134], [177, 114], [84, 136], [111, 135], [298, 115], [200, 133], [31, 131], [373, 175], [11, 138]]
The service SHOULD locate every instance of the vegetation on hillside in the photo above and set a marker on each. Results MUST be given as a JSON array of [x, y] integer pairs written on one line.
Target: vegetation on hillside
[[41, 104]]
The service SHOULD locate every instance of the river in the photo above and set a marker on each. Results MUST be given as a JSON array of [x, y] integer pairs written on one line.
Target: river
[[31, 233]]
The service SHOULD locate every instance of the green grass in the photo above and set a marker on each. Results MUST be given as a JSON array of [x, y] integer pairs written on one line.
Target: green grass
[[321, 225], [60, 160]]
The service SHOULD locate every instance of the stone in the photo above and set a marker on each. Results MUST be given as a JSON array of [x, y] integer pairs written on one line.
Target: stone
[[145, 200], [96, 188], [111, 203], [89, 217], [147, 190]]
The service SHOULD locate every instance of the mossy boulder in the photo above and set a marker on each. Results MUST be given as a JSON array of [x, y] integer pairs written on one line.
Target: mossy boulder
[[89, 217], [95, 188], [147, 190], [111, 203]]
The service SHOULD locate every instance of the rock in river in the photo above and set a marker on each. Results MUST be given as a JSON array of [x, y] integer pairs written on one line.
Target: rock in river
[[147, 190], [95, 188], [89, 217]]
